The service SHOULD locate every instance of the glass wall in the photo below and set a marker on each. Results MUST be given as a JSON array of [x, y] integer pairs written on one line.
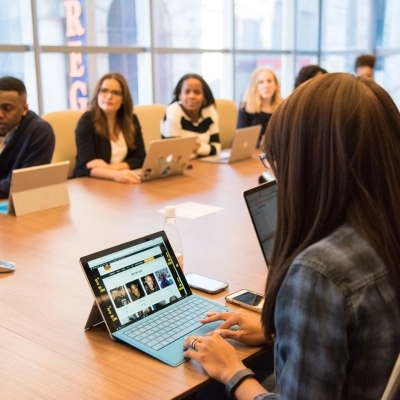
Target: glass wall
[[388, 48], [60, 48], [346, 25], [258, 24], [191, 37], [307, 25]]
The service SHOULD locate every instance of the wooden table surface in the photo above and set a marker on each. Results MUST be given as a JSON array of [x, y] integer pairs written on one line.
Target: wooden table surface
[[44, 351]]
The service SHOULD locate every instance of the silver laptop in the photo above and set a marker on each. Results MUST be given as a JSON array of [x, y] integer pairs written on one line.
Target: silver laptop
[[262, 206], [37, 188], [167, 157], [243, 145], [144, 299]]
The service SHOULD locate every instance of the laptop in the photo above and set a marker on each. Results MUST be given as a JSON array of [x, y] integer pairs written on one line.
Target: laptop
[[262, 207], [143, 297], [166, 157], [37, 188], [243, 145]]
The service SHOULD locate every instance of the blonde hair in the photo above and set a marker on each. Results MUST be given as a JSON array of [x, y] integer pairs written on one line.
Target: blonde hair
[[251, 101]]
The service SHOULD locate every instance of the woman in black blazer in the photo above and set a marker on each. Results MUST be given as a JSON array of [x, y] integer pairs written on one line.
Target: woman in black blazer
[[108, 136]]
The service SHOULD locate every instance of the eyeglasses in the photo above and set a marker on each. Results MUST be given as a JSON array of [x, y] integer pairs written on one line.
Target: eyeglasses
[[263, 159], [113, 92]]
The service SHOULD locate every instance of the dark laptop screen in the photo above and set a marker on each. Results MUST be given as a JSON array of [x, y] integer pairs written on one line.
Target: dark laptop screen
[[261, 203]]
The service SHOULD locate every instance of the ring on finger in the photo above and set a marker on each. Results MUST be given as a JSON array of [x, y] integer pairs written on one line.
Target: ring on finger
[[193, 344]]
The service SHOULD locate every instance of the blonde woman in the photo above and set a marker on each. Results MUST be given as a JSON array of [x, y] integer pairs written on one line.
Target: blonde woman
[[262, 97]]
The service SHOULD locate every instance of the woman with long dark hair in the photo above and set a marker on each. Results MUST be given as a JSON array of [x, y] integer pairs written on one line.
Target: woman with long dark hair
[[333, 291], [108, 136]]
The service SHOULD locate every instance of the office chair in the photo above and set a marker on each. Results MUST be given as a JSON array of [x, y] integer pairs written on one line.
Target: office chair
[[64, 124], [228, 113], [150, 117]]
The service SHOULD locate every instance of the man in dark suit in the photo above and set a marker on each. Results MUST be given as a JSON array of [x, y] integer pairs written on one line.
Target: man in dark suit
[[26, 140]]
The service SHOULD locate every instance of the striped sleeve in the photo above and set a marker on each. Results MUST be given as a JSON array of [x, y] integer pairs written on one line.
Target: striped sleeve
[[214, 145], [171, 125]]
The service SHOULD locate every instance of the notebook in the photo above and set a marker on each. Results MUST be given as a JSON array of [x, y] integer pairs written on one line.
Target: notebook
[[167, 157], [243, 145], [37, 188], [262, 207], [144, 299]]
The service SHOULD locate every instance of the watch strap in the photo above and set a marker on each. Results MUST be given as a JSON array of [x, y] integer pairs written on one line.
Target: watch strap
[[236, 380]]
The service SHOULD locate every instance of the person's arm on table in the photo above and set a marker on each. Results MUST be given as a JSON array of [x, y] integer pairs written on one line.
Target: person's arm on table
[[121, 172], [88, 161], [219, 358], [220, 361], [119, 175]]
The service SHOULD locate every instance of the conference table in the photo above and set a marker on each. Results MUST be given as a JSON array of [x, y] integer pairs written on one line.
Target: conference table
[[45, 353]]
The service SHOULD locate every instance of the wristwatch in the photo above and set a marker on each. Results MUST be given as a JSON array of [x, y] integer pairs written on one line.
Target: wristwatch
[[236, 380]]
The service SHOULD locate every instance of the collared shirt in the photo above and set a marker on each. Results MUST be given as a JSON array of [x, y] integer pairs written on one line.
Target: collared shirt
[[5, 139], [337, 323]]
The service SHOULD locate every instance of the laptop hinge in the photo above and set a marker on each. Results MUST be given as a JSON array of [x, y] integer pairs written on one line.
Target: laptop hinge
[[95, 318]]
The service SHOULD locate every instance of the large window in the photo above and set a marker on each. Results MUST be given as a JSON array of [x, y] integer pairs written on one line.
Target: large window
[[195, 24], [346, 25], [307, 24], [60, 48], [258, 24], [16, 23], [388, 34], [191, 37]]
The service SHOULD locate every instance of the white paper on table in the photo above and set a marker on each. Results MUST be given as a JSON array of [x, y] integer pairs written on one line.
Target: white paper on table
[[193, 210]]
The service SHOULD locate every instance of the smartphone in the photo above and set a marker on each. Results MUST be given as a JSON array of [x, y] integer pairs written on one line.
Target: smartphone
[[247, 299], [205, 283], [6, 266]]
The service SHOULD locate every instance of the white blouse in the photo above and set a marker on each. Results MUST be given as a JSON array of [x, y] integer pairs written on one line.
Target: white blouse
[[119, 149]]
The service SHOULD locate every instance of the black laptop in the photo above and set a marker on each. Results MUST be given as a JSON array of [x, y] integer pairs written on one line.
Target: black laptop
[[261, 203]]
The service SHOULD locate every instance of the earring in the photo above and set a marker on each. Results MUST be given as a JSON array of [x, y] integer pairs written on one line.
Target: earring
[[180, 101]]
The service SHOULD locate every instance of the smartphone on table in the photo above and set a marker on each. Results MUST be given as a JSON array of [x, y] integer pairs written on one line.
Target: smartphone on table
[[205, 283], [7, 266], [247, 299]]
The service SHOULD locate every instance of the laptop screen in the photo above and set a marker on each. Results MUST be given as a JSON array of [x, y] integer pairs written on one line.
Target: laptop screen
[[261, 203], [135, 279]]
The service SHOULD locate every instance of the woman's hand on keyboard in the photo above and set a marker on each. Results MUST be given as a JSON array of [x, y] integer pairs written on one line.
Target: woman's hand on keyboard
[[250, 330], [217, 356]]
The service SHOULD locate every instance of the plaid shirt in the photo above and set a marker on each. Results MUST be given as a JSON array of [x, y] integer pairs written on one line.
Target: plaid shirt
[[337, 323]]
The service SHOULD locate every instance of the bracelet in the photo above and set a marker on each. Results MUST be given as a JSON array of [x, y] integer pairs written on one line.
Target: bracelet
[[236, 380]]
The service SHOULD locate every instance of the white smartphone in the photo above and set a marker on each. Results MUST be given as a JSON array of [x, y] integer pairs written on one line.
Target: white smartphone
[[205, 283], [247, 299], [6, 266]]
